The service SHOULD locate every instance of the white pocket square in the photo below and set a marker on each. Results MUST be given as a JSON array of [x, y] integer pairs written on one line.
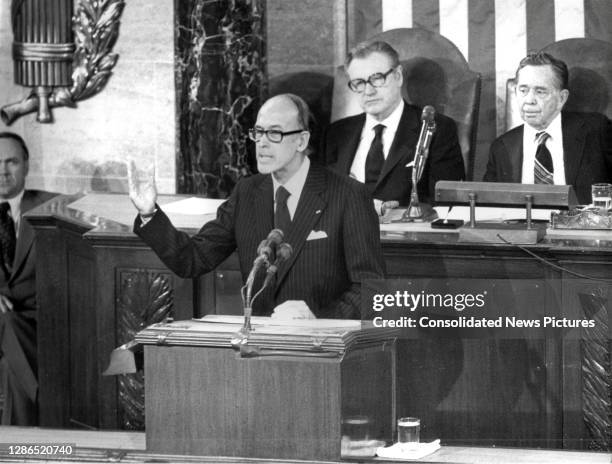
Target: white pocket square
[[411, 164], [316, 235]]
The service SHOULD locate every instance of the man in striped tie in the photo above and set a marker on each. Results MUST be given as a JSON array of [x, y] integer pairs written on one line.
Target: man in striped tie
[[553, 146]]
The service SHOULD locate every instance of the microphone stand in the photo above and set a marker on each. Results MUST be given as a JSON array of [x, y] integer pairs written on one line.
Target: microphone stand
[[247, 290], [415, 210], [278, 252]]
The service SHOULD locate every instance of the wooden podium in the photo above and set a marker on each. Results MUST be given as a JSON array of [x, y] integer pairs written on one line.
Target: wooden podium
[[290, 394]]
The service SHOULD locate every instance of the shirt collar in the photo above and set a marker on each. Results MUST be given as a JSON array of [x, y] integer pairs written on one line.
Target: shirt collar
[[553, 130], [15, 204], [390, 122], [296, 183]]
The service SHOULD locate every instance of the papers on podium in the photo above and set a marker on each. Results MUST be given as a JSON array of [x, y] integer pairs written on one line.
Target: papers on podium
[[328, 335]]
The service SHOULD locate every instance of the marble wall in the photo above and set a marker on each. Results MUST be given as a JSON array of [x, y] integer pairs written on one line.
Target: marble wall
[[135, 115], [220, 57], [300, 36], [86, 148]]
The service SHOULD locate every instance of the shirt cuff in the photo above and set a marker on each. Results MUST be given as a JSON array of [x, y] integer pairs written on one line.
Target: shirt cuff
[[144, 218]]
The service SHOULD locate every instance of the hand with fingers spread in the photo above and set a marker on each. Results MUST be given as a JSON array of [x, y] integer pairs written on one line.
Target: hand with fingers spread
[[143, 193]]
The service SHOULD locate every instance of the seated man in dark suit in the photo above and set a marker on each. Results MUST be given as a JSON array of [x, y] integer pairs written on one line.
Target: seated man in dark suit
[[553, 146], [17, 284], [328, 219], [377, 147]]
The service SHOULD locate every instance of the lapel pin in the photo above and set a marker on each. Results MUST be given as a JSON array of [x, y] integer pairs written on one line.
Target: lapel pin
[[318, 211]]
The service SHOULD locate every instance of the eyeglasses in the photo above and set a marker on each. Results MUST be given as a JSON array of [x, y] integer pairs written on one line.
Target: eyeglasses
[[274, 135], [375, 80]]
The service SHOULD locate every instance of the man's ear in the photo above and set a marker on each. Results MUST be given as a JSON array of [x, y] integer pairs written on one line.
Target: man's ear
[[564, 96], [400, 71], [303, 141]]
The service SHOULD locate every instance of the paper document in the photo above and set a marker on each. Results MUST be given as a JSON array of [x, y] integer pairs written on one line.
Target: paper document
[[192, 205], [484, 213], [344, 324]]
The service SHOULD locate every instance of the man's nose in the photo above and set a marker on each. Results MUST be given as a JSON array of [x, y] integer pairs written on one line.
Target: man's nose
[[264, 141], [369, 89]]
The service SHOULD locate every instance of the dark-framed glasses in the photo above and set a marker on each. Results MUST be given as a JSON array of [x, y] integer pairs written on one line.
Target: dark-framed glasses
[[273, 135], [375, 80]]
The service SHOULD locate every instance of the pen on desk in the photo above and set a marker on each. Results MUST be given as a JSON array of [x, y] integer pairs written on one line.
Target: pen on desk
[[447, 214]]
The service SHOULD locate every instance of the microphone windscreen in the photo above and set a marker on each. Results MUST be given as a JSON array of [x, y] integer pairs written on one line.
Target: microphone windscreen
[[428, 113], [276, 236], [264, 248], [283, 252]]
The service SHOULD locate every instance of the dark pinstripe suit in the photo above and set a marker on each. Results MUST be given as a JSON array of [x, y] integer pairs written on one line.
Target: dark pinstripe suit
[[326, 273]]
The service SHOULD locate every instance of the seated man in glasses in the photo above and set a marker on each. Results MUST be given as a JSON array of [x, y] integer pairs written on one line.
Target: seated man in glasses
[[327, 219], [377, 147]]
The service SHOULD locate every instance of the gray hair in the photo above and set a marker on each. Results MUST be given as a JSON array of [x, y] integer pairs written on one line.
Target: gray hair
[[559, 67], [365, 49]]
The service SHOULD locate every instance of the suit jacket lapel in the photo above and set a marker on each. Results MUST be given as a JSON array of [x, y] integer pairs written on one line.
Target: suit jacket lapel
[[309, 210], [514, 146], [25, 238], [263, 209], [404, 142], [573, 147], [347, 151]]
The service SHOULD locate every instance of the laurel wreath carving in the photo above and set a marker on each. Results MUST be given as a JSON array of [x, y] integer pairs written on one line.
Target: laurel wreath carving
[[144, 298], [96, 28]]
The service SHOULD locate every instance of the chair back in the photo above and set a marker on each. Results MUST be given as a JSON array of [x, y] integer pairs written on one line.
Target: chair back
[[435, 73], [315, 89], [590, 78]]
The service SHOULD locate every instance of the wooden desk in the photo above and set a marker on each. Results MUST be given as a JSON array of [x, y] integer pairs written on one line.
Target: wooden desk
[[96, 279], [130, 447]]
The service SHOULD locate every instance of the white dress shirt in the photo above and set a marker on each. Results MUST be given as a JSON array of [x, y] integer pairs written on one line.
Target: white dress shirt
[[294, 186], [391, 123], [554, 143]]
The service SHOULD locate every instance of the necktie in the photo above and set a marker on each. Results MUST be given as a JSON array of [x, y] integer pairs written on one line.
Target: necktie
[[375, 158], [282, 219], [7, 236], [543, 168]]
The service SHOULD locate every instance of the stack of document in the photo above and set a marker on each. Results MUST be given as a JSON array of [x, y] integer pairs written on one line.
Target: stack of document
[[335, 335]]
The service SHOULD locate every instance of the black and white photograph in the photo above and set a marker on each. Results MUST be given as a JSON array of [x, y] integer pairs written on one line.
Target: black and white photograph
[[306, 231]]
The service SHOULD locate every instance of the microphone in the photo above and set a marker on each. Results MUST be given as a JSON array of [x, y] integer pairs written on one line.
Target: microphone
[[428, 127], [283, 253], [268, 246], [265, 254]]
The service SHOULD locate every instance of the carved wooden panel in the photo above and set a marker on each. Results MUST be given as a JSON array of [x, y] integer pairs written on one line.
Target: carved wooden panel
[[597, 370], [144, 297]]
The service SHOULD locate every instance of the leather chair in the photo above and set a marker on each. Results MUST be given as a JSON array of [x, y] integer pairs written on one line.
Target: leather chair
[[590, 78], [316, 90], [435, 73]]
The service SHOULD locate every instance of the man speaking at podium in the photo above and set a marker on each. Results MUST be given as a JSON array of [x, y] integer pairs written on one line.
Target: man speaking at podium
[[328, 220]]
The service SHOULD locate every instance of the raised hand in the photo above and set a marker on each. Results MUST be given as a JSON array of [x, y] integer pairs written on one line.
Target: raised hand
[[143, 193]]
